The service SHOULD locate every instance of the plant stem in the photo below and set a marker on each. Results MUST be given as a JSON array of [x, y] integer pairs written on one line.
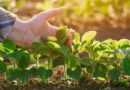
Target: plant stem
[[14, 66], [49, 63], [65, 75], [49, 66], [37, 63]]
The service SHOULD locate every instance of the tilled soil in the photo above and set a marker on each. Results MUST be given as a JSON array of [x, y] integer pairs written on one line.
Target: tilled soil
[[61, 85]]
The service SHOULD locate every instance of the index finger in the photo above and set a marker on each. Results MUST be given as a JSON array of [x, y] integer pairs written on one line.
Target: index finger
[[54, 12]]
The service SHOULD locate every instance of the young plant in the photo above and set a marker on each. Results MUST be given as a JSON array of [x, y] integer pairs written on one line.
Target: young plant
[[19, 58]]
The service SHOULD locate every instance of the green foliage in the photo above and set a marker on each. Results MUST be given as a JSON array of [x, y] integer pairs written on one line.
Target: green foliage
[[84, 8], [100, 71], [44, 73], [23, 62], [114, 74], [61, 35], [71, 61], [76, 38], [9, 45], [75, 74], [126, 65], [3, 66], [88, 36], [106, 60], [17, 74], [40, 72], [58, 61]]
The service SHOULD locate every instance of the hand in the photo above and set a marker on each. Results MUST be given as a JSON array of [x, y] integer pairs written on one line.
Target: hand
[[26, 32]]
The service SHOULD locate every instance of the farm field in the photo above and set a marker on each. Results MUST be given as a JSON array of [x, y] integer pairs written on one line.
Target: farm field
[[97, 59]]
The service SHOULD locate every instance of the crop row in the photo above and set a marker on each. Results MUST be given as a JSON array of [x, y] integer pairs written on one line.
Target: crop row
[[107, 60]]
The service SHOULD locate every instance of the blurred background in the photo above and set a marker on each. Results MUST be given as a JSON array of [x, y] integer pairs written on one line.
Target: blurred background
[[110, 18]]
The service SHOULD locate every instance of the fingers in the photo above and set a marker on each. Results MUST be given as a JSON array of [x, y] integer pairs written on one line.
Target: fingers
[[70, 38], [72, 32], [54, 12], [51, 30]]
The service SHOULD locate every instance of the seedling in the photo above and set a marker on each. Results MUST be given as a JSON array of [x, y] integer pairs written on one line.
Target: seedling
[[107, 60]]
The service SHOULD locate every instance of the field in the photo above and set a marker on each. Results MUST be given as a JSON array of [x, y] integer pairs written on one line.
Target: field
[[98, 59]]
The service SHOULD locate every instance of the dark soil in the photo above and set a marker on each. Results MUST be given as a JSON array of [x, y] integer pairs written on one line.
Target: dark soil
[[59, 83], [83, 84]]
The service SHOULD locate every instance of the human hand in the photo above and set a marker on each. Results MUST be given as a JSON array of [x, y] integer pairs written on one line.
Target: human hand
[[26, 32]]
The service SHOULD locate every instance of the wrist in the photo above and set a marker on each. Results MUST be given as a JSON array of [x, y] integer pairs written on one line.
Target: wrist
[[17, 32], [7, 20]]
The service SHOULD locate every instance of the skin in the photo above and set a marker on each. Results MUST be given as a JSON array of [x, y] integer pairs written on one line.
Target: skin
[[24, 33]]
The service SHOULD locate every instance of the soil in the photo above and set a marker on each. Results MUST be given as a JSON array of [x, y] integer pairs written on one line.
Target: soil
[[59, 83], [83, 84]]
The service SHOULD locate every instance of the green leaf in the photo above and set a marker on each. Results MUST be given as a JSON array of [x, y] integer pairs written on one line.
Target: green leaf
[[1, 58], [52, 39], [76, 39], [108, 41], [53, 46], [10, 74], [64, 50], [99, 47], [128, 51], [89, 36], [100, 71], [58, 61], [14, 56], [41, 72], [40, 49], [61, 34], [86, 61], [125, 83], [114, 73], [124, 43], [1, 47], [3, 66], [36, 44], [8, 44], [23, 62], [16, 74], [120, 56], [33, 72], [126, 66], [89, 69], [75, 74], [71, 61], [23, 75], [48, 74], [44, 73]]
